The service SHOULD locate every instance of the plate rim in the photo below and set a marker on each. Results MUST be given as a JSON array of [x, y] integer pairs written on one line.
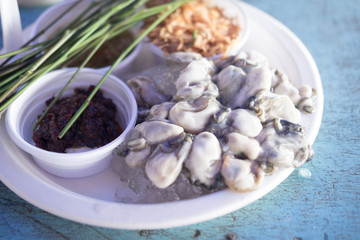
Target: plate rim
[[102, 212]]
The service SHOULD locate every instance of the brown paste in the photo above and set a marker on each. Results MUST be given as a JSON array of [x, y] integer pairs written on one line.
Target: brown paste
[[96, 126]]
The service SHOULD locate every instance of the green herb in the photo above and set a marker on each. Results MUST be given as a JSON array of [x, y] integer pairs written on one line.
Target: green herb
[[101, 21], [195, 34]]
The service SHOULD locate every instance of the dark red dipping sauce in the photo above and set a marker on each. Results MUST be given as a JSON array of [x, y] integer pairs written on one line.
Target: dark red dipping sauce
[[95, 127]]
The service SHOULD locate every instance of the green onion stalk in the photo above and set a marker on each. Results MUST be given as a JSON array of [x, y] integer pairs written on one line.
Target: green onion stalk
[[98, 23]]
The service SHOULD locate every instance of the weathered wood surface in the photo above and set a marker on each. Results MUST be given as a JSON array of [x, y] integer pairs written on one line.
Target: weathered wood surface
[[324, 206]]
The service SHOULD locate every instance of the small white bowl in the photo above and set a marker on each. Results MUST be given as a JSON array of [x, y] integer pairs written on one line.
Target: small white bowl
[[55, 11], [24, 111], [231, 9]]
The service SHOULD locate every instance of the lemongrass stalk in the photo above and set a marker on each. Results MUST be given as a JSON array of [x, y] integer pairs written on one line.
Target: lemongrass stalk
[[12, 77], [69, 26], [31, 80], [112, 14], [18, 51], [136, 18], [33, 52], [89, 43], [166, 13], [80, 43], [36, 66], [102, 20], [123, 16], [17, 68], [39, 72], [21, 63], [96, 25], [11, 69], [144, 13], [64, 57], [141, 15], [112, 10], [24, 48], [5, 105]]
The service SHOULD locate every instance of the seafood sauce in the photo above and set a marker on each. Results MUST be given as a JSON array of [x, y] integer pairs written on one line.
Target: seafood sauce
[[95, 127]]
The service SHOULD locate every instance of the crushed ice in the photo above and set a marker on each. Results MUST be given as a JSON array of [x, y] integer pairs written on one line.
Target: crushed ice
[[304, 173], [135, 187]]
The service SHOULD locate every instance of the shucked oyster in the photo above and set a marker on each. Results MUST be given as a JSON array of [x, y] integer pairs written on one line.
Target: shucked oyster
[[245, 122], [193, 116], [257, 79], [195, 81], [241, 175], [229, 82], [204, 160], [284, 145], [146, 91], [240, 144], [144, 136], [228, 119], [243, 79], [269, 106], [164, 166]]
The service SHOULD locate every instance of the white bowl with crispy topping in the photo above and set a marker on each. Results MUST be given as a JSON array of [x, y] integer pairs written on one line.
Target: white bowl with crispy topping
[[211, 28]]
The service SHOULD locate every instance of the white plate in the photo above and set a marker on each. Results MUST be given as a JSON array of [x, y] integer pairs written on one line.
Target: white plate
[[91, 200]]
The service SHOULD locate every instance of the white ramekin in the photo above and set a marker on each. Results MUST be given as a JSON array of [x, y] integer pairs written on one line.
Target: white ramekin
[[24, 111]]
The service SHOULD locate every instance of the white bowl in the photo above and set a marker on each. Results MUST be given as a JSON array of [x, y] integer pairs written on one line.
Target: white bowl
[[24, 111], [230, 9], [55, 11]]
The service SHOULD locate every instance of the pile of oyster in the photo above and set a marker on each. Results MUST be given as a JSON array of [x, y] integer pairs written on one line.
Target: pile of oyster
[[232, 121]]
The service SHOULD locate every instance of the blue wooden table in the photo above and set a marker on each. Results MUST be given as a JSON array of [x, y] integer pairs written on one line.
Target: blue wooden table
[[324, 206]]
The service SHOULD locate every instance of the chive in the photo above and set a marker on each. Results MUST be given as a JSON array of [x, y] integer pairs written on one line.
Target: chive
[[195, 34], [165, 14], [100, 21]]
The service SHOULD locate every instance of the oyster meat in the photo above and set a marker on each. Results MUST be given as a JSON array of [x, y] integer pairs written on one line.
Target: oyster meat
[[241, 175], [146, 91], [224, 123], [204, 160], [193, 116]]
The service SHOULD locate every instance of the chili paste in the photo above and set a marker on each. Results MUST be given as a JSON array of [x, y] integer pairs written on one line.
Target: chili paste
[[95, 127]]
